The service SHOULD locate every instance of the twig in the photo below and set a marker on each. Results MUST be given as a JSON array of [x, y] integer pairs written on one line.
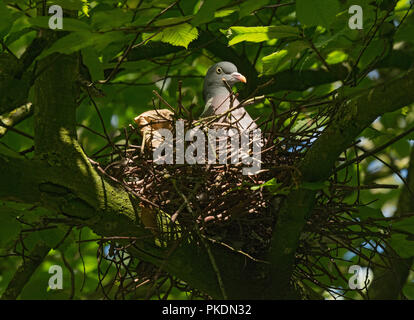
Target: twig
[[374, 151], [72, 276], [206, 245]]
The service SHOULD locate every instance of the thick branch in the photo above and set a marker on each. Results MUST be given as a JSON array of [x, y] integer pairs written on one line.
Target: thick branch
[[351, 120], [25, 271], [14, 117], [319, 162], [88, 199], [14, 83], [388, 283], [55, 92], [15, 79], [62, 179], [295, 80]]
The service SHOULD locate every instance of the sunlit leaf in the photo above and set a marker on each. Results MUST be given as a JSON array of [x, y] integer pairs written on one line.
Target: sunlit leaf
[[69, 24], [79, 40], [171, 21], [260, 34], [314, 185], [179, 35], [6, 19], [69, 4], [316, 12], [248, 7], [365, 212], [403, 245], [207, 10], [275, 61]]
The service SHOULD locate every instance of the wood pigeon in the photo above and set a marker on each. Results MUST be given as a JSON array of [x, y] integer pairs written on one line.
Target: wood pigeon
[[218, 98]]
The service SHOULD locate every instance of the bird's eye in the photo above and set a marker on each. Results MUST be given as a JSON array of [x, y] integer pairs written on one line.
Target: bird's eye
[[218, 70]]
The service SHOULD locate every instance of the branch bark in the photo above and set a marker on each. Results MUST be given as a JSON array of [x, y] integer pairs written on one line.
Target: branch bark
[[318, 164], [25, 271], [62, 179], [14, 117], [86, 198], [388, 283]]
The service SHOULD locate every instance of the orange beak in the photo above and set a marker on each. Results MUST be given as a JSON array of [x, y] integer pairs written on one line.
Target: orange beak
[[239, 77]]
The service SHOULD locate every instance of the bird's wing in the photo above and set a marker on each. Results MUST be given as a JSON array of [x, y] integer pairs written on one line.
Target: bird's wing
[[208, 109], [219, 104], [242, 119]]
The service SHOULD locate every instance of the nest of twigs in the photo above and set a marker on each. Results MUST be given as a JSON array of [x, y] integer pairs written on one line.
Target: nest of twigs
[[222, 205]]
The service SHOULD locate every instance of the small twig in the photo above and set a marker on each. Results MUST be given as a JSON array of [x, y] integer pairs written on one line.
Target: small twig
[[22, 133], [72, 276], [163, 101], [103, 123], [367, 187], [206, 245], [132, 45], [374, 151]]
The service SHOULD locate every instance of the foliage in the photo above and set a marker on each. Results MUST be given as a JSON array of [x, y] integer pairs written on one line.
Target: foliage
[[300, 54]]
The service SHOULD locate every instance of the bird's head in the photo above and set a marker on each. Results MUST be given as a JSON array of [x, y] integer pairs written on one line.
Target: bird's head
[[220, 72]]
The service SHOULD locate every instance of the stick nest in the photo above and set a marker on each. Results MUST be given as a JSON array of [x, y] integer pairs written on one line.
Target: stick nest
[[221, 205]]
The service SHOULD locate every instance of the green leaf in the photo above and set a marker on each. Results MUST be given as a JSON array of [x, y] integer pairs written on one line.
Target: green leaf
[[408, 290], [78, 40], [91, 59], [405, 33], [180, 35], [108, 19], [51, 237], [273, 185], [6, 19], [69, 24], [225, 12], [85, 7], [372, 52], [7, 151], [272, 62], [260, 34], [276, 61], [207, 10], [57, 236], [171, 21], [248, 7], [336, 56], [406, 224], [366, 212], [372, 133], [314, 185], [403, 245], [316, 12], [9, 226], [69, 4]]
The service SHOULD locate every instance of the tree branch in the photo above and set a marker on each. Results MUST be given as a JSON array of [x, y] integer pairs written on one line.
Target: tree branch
[[388, 283], [86, 198], [14, 83], [295, 80], [55, 92], [14, 117], [318, 164], [62, 179], [25, 271]]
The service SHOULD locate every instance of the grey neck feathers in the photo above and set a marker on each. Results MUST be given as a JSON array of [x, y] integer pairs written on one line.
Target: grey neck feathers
[[215, 90]]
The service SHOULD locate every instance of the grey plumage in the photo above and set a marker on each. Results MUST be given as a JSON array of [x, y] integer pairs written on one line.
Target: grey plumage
[[218, 99]]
